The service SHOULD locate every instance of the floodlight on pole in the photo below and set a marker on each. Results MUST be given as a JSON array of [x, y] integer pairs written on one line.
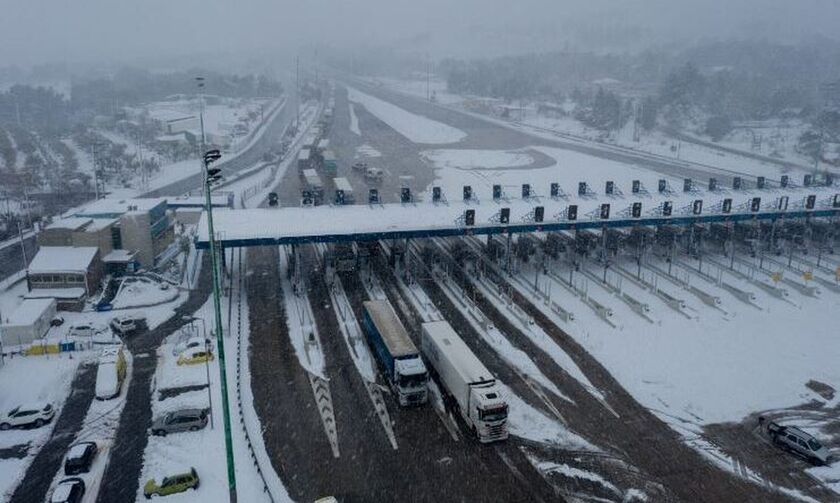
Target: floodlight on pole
[[211, 176]]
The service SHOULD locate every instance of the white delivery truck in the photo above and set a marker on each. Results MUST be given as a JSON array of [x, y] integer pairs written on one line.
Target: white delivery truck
[[473, 388]]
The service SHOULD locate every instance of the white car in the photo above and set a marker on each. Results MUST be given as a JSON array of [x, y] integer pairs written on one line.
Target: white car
[[82, 329], [124, 324], [37, 414]]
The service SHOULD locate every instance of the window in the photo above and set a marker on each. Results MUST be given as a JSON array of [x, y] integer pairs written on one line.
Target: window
[[814, 445]]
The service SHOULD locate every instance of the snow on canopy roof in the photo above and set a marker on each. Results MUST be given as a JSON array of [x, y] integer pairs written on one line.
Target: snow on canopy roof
[[62, 259], [77, 450], [56, 293], [119, 256], [29, 311]]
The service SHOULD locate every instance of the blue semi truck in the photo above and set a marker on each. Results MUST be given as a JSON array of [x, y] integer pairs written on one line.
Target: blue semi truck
[[397, 355]]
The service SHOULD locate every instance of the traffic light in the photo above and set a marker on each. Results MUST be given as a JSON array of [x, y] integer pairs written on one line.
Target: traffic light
[[697, 207], [555, 190], [571, 212], [436, 194], [755, 204], [636, 211], [637, 186], [581, 188], [605, 211], [610, 188], [469, 217], [497, 192], [727, 205], [526, 190], [667, 208], [810, 202], [504, 216], [539, 213]]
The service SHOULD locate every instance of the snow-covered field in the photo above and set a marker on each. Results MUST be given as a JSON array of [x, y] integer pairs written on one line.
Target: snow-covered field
[[415, 128], [483, 168]]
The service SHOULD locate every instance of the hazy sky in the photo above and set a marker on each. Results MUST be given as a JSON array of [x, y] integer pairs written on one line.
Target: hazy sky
[[38, 31]]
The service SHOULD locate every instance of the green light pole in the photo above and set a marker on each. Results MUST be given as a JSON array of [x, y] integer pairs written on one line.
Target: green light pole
[[212, 175]]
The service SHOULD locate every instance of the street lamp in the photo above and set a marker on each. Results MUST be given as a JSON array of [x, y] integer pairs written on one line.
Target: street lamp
[[212, 176]]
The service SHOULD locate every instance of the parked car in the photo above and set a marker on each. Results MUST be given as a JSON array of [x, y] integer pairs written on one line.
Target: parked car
[[57, 321], [799, 442], [37, 414], [82, 330], [79, 458], [196, 355], [126, 323], [192, 342], [171, 485], [110, 373], [180, 420], [69, 490]]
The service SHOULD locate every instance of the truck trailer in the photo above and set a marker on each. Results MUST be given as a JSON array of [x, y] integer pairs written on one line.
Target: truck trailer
[[403, 367], [467, 381]]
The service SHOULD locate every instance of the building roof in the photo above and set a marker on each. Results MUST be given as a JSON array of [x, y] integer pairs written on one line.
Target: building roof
[[119, 256], [113, 207], [71, 223], [63, 259], [29, 311], [76, 293]]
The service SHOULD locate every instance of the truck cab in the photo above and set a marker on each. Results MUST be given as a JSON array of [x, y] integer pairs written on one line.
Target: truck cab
[[412, 381], [490, 412]]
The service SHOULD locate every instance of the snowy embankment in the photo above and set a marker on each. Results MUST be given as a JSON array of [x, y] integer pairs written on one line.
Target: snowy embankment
[[415, 128]]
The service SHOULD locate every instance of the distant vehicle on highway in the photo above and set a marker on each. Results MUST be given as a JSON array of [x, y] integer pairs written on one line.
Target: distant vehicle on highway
[[33, 414], [360, 166], [273, 200], [173, 484], [69, 490], [180, 420], [799, 442], [79, 458], [57, 321], [374, 174]]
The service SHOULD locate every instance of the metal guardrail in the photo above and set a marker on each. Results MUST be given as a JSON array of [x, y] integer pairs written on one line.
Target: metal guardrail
[[242, 422]]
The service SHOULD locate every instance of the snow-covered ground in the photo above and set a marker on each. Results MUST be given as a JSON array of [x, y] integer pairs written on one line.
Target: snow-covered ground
[[142, 292], [415, 128], [484, 168], [47, 379]]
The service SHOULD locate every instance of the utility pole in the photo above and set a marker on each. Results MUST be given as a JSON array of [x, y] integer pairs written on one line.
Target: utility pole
[[211, 176], [297, 93], [95, 172]]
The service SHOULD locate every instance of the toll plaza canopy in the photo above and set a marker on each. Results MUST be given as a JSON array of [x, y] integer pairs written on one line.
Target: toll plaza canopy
[[368, 222]]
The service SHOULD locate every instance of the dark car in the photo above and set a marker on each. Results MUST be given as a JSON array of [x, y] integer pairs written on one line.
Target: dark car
[[79, 458], [272, 199], [70, 490]]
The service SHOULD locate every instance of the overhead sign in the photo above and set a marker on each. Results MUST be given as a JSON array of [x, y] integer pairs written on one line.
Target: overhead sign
[[436, 193], [610, 187], [582, 188], [637, 186], [539, 214], [497, 192], [555, 190], [755, 204]]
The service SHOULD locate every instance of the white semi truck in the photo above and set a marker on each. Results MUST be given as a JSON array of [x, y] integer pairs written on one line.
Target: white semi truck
[[473, 388]]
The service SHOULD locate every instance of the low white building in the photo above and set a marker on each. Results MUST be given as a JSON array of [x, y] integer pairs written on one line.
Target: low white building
[[30, 321]]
